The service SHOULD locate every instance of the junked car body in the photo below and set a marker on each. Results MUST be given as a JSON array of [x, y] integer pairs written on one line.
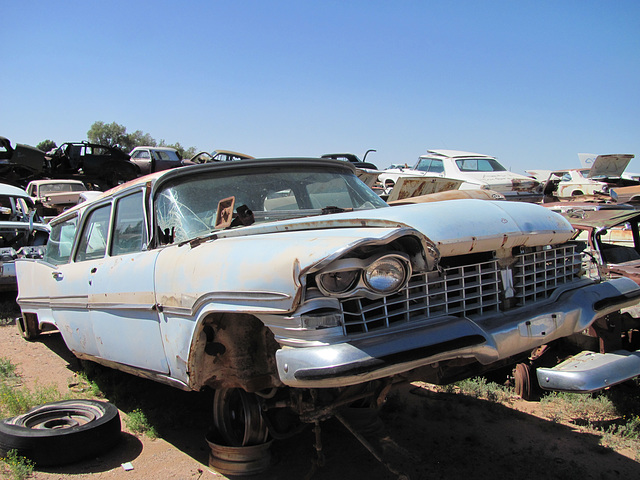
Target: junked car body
[[154, 159], [22, 232], [20, 164], [54, 196], [288, 285], [217, 156], [102, 165], [353, 159], [474, 170], [596, 179]]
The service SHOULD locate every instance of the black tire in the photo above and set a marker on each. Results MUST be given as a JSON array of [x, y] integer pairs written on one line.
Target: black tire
[[28, 327], [60, 433]]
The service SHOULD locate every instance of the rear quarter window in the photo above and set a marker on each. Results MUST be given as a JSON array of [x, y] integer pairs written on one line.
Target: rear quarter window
[[60, 242]]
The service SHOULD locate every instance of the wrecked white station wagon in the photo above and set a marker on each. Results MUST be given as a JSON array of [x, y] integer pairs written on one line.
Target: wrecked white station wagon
[[288, 285]]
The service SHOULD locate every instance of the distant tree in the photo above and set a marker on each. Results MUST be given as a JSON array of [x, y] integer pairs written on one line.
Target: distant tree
[[116, 135], [110, 134], [139, 139], [46, 145]]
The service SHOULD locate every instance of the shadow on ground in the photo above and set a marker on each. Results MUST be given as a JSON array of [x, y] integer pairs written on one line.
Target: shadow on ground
[[427, 435]]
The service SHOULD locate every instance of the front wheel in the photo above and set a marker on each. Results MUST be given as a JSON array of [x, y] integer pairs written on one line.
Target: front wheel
[[63, 432], [237, 417]]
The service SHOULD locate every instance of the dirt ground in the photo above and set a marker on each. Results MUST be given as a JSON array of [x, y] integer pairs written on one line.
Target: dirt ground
[[427, 435]]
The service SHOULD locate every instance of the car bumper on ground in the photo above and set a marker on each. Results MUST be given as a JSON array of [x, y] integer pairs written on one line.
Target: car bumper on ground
[[589, 371]]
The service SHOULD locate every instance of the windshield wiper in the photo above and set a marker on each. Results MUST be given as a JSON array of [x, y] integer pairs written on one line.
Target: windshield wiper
[[332, 209]]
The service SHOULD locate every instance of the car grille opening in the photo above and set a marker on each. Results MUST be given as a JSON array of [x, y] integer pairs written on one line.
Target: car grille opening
[[470, 291]]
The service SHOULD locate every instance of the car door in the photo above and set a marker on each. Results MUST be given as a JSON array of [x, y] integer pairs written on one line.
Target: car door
[[56, 289], [121, 293]]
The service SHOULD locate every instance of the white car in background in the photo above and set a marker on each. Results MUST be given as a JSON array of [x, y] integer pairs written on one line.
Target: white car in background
[[475, 170], [597, 177]]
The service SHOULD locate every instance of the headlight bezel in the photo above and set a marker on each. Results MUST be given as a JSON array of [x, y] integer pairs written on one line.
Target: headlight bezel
[[402, 274], [356, 281]]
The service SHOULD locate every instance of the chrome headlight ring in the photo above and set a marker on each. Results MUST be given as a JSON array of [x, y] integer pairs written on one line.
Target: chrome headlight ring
[[387, 274], [375, 276]]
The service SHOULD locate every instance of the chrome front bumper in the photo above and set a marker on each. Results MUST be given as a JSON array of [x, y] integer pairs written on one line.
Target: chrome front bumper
[[488, 340]]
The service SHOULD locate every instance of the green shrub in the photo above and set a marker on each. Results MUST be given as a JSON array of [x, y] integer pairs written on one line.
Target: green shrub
[[18, 468], [15, 401], [138, 423]]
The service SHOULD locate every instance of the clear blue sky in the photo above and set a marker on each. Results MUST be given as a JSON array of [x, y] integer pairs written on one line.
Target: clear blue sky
[[530, 82]]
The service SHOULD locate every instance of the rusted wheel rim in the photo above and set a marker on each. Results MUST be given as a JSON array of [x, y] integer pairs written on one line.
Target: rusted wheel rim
[[237, 417], [522, 377]]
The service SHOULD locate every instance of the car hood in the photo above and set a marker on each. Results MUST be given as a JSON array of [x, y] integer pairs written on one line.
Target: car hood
[[605, 165], [458, 226]]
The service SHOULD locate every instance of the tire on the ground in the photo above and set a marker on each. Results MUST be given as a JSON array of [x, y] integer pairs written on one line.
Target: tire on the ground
[[60, 433]]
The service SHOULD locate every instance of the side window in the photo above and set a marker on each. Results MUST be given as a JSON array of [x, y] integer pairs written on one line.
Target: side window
[[467, 165], [93, 242], [436, 166], [128, 230], [424, 165], [60, 242]]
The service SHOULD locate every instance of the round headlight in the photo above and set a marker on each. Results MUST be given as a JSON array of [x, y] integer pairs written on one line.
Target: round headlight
[[386, 275], [338, 282]]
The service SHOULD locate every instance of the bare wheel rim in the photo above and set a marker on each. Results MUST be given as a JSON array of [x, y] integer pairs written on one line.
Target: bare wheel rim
[[61, 418], [237, 417], [522, 376]]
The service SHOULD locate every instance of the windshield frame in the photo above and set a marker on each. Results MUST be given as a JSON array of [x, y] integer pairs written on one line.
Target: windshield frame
[[185, 205]]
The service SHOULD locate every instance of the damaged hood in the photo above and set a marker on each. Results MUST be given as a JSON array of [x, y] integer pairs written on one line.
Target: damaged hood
[[457, 226]]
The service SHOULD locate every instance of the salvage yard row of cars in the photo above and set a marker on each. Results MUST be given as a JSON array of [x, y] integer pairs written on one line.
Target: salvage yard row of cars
[[293, 289]]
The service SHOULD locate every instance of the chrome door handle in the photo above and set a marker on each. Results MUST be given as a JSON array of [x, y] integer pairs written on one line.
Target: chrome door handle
[[57, 275]]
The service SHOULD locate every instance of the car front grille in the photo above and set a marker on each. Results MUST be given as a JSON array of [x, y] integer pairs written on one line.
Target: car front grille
[[466, 291]]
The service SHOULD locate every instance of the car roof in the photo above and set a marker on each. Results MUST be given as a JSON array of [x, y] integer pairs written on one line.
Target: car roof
[[11, 190], [54, 180], [156, 148], [455, 154], [231, 152]]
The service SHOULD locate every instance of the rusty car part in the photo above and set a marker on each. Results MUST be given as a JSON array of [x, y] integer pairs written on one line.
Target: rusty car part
[[630, 194], [449, 195], [523, 381], [409, 187], [237, 417], [233, 460]]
